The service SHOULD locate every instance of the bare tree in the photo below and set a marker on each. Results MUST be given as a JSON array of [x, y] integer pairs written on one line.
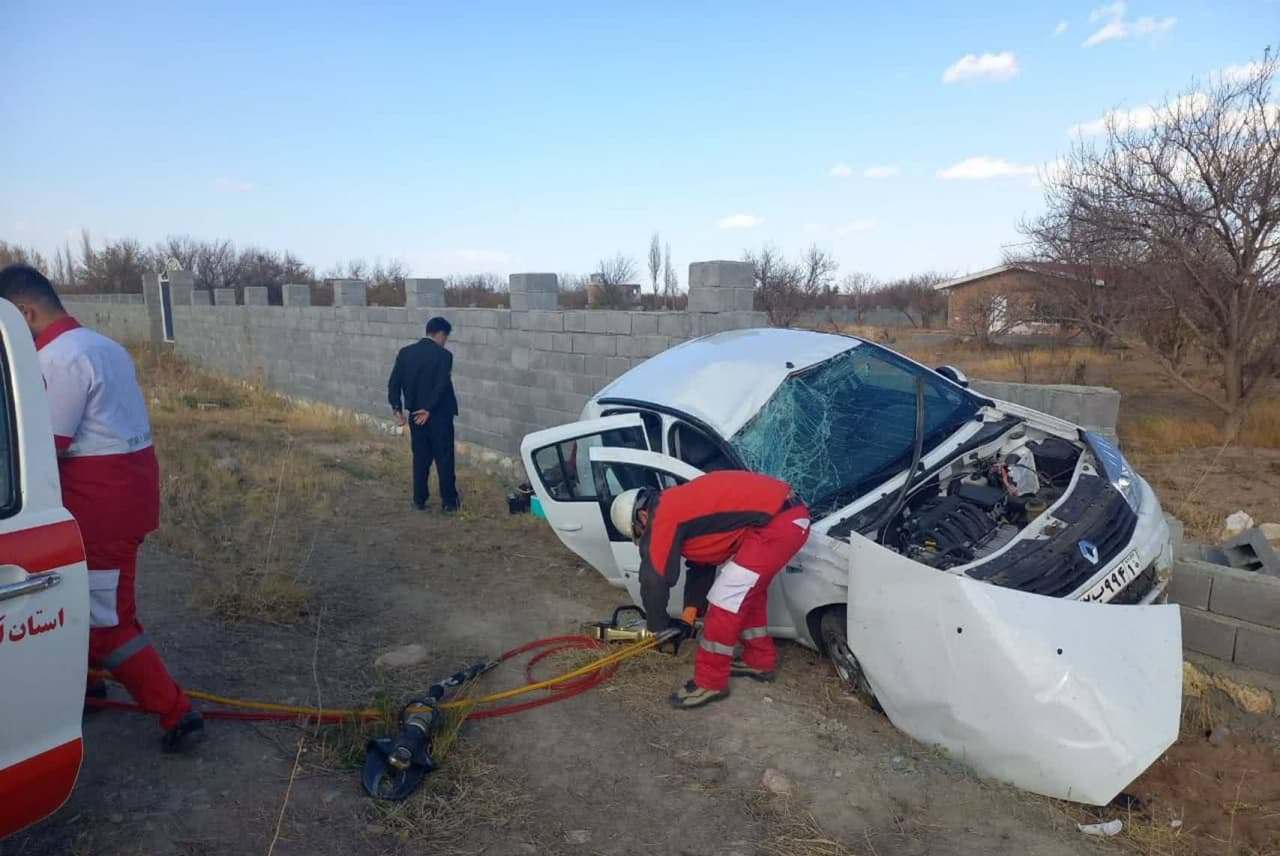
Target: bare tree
[[778, 282], [915, 297], [655, 264], [11, 254], [116, 268], [610, 279], [1184, 211], [670, 281], [856, 289]]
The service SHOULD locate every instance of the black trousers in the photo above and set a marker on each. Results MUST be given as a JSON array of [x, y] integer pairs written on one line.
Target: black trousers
[[433, 442]]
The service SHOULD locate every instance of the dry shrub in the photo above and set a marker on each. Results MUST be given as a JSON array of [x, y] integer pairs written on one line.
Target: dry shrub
[[790, 829], [244, 494], [1034, 365]]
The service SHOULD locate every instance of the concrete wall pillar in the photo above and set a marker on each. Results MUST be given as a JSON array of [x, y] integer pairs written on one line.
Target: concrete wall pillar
[[256, 295], [296, 294], [534, 291], [350, 292], [181, 285], [721, 286], [224, 297], [423, 293]]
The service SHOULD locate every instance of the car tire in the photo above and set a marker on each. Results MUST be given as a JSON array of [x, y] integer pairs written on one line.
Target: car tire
[[833, 630]]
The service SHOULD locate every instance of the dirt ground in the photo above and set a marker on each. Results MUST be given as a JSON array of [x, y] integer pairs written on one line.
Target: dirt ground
[[614, 771]]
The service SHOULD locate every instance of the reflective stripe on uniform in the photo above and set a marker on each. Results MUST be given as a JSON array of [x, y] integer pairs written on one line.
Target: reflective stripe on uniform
[[754, 633], [715, 647], [731, 586], [102, 597], [118, 657]]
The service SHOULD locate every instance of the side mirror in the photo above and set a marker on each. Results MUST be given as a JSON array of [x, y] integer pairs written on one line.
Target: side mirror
[[954, 375]]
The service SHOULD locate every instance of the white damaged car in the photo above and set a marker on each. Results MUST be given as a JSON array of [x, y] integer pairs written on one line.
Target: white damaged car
[[991, 575]]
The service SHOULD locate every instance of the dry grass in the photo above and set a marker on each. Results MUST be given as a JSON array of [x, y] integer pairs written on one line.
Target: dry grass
[[790, 829], [1173, 433], [244, 490]]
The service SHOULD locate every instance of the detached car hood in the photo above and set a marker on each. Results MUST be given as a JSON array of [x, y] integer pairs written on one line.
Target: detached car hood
[[1063, 698]]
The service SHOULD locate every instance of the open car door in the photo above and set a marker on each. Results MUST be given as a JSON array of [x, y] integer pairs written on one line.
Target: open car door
[[560, 471], [614, 467], [44, 598]]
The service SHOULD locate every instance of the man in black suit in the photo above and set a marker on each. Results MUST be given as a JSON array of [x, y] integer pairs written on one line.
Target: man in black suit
[[421, 384]]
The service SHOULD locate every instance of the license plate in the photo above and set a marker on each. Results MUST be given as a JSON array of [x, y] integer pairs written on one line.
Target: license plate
[[1121, 575]]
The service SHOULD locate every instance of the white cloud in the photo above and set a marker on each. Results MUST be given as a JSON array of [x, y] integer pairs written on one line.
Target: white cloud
[[1136, 119], [853, 226], [880, 172], [996, 67], [840, 170], [1061, 28], [1116, 27], [982, 167], [739, 221], [1236, 73], [233, 185]]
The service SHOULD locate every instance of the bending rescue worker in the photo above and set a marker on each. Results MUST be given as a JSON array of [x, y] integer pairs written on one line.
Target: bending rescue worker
[[751, 525]]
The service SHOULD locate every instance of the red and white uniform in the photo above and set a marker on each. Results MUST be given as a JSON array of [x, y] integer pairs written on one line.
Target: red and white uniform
[[111, 484], [749, 525]]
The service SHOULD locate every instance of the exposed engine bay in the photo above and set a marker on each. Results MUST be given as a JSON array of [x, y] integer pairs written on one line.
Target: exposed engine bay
[[979, 503]]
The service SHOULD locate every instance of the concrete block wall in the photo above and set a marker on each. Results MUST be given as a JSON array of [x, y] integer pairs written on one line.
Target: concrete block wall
[[120, 316], [1094, 407], [1229, 614], [515, 370]]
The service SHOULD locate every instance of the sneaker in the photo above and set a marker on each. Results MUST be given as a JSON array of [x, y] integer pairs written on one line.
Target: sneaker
[[691, 695], [740, 669], [190, 726]]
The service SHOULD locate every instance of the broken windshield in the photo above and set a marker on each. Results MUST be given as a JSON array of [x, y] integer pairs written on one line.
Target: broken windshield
[[837, 429]]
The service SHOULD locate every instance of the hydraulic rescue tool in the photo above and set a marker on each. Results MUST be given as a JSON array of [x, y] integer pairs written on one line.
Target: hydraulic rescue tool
[[393, 769]]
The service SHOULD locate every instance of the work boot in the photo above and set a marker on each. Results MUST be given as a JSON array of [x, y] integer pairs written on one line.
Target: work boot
[[94, 691], [190, 726], [740, 669], [691, 695]]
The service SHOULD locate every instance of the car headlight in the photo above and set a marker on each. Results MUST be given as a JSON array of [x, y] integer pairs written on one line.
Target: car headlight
[[1116, 468]]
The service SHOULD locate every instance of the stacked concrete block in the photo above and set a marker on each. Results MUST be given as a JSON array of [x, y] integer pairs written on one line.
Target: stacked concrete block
[[224, 297], [721, 286], [1097, 408], [350, 292], [533, 291], [1228, 613], [256, 295], [295, 294], [423, 293]]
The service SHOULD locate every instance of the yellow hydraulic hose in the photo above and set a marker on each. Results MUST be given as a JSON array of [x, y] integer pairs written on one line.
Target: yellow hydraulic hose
[[595, 665]]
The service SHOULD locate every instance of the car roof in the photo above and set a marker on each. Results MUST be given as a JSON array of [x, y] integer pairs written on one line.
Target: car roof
[[725, 378]]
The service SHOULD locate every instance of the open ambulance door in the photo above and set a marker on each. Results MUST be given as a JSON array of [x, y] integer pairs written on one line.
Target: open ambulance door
[[618, 469], [560, 472], [44, 598]]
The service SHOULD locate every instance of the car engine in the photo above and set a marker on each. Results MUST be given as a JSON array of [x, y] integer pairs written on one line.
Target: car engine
[[977, 508]]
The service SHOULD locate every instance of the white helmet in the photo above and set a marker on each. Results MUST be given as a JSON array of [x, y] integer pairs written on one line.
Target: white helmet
[[623, 510]]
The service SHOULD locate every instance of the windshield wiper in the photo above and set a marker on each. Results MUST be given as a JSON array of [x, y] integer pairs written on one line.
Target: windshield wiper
[[917, 451]]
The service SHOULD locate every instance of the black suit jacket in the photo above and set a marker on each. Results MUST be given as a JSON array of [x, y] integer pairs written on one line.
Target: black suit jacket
[[422, 379]]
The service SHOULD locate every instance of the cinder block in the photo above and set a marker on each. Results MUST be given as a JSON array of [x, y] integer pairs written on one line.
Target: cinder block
[[642, 346], [595, 344], [224, 297], [1258, 648], [1247, 596], [1208, 634], [552, 322], [1250, 551], [616, 366], [1191, 584], [704, 300], [575, 321], [350, 292], [519, 301], [531, 283], [422, 293], [673, 324], [644, 323], [180, 293], [721, 274], [255, 295]]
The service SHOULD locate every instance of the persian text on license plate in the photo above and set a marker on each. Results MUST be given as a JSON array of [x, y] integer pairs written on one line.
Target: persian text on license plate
[[1121, 575]]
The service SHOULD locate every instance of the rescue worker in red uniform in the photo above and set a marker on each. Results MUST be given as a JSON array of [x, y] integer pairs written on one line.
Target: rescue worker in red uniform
[[750, 525], [110, 484]]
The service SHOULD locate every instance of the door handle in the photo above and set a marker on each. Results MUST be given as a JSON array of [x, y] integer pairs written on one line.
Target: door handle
[[570, 527], [32, 585]]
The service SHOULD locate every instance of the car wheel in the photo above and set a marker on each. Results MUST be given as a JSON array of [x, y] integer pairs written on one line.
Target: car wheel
[[832, 628]]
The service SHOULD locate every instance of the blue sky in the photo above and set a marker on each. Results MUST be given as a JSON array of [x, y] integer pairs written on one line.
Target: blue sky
[[542, 136]]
